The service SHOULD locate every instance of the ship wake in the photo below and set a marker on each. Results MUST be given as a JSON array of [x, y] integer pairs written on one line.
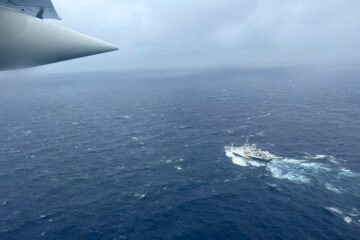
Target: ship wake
[[332, 177]]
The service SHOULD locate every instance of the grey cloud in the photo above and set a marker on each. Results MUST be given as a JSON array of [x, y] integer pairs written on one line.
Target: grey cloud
[[208, 33]]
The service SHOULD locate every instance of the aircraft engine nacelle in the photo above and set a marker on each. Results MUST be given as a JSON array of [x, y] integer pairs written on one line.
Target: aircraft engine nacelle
[[26, 41]]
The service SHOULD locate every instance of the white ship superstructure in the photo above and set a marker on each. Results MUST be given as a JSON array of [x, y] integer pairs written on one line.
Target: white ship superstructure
[[249, 152]]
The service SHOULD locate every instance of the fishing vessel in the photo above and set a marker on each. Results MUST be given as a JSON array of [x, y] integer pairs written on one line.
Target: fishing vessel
[[250, 152]]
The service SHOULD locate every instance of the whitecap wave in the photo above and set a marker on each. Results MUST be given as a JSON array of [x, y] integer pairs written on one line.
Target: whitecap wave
[[348, 173], [345, 215], [140, 195], [354, 212], [333, 160], [179, 168], [347, 219], [334, 210], [329, 158], [261, 133], [333, 188]]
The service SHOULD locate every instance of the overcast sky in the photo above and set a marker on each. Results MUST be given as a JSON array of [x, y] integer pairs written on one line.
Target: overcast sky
[[213, 33]]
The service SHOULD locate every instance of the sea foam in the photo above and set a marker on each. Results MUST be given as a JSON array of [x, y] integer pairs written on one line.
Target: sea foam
[[332, 178]]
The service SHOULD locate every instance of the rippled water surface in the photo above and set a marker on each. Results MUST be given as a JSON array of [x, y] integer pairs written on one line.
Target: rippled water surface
[[141, 155]]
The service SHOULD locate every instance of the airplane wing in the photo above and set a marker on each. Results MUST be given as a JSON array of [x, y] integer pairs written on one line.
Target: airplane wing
[[43, 9]]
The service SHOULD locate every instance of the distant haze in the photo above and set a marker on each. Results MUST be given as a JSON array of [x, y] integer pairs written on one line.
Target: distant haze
[[213, 33]]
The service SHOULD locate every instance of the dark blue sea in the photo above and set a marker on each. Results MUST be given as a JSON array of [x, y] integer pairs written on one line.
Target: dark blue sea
[[140, 155]]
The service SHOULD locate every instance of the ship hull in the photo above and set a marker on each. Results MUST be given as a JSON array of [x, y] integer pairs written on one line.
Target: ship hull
[[252, 158]]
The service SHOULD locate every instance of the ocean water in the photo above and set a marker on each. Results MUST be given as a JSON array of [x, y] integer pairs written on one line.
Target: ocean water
[[140, 155]]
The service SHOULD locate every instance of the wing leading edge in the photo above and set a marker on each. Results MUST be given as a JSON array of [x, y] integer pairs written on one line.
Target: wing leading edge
[[43, 9]]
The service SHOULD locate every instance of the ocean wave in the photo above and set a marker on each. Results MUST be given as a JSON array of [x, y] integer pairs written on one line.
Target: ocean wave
[[354, 212], [333, 188], [229, 131], [261, 133], [140, 195], [320, 157], [179, 168], [347, 219], [333, 160], [348, 216], [348, 173], [334, 210]]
